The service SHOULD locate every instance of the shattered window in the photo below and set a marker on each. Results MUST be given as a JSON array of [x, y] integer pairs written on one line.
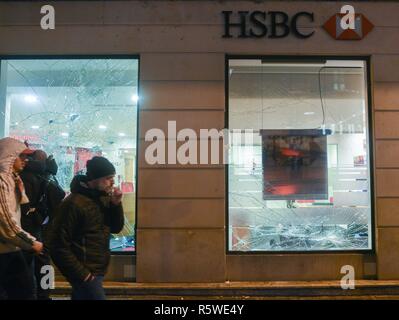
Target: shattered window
[[75, 109], [299, 156]]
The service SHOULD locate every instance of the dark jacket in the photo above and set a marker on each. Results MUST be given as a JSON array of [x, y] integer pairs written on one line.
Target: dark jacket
[[38, 185], [54, 195], [80, 234], [35, 186]]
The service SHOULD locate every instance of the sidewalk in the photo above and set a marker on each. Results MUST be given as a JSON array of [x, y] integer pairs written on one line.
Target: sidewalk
[[364, 289]]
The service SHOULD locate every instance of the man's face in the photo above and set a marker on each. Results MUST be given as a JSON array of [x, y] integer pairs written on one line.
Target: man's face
[[104, 184], [19, 163]]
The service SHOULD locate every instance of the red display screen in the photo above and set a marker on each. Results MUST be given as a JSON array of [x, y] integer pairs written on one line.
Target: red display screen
[[294, 164]]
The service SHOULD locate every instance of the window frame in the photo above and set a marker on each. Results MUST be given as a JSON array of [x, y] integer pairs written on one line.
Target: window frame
[[101, 56], [306, 58]]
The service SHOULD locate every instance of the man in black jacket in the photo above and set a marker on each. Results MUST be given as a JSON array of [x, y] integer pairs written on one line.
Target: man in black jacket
[[79, 240], [35, 185], [44, 196]]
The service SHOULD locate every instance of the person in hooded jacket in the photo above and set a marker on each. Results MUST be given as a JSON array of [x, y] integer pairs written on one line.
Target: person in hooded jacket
[[44, 196], [15, 277], [80, 234], [35, 184]]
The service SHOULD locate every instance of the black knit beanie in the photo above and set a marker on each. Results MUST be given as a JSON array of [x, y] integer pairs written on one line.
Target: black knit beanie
[[99, 167]]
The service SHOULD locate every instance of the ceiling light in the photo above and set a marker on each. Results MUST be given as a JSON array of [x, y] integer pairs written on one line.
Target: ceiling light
[[135, 98], [101, 126], [121, 134], [65, 134], [30, 98], [309, 113], [35, 127]]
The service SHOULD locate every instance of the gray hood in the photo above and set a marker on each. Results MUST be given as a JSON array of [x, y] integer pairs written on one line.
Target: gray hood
[[10, 149], [12, 236]]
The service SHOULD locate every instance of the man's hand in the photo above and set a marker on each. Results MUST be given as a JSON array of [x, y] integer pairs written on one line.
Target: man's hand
[[116, 196], [37, 247]]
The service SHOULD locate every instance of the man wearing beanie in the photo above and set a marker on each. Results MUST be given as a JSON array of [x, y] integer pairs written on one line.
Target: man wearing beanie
[[79, 237]]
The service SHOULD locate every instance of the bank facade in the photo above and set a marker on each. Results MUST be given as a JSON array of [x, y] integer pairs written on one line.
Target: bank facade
[[308, 95]]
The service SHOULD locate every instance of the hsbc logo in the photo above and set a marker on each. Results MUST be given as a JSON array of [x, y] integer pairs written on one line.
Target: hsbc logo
[[348, 25]]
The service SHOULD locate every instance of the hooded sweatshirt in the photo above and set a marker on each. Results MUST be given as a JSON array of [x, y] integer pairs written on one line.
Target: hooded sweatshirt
[[12, 237]]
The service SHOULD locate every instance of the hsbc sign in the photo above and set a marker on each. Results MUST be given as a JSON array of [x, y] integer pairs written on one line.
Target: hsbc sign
[[346, 25]]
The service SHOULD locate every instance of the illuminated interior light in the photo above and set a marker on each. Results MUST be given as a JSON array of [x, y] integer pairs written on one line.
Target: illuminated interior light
[[135, 98], [30, 98]]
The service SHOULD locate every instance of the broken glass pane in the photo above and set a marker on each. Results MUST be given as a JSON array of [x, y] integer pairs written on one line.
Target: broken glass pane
[[75, 109], [268, 210]]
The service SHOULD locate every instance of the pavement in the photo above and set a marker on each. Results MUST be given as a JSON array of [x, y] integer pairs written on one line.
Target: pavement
[[276, 290]]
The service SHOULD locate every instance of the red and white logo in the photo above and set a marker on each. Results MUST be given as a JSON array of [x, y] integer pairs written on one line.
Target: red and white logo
[[348, 25]]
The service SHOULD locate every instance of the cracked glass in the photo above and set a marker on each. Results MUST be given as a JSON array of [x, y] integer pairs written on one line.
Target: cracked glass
[[299, 161], [75, 109]]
